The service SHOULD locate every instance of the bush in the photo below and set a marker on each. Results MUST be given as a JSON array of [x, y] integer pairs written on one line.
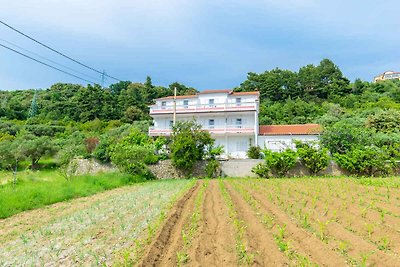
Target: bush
[[262, 170], [254, 152], [212, 168], [314, 158], [132, 154], [280, 162], [342, 137], [369, 160], [189, 144]]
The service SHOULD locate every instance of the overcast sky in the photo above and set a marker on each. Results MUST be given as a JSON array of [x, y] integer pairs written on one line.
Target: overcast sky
[[204, 44]]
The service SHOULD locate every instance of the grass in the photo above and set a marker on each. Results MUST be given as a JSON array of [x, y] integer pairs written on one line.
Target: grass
[[37, 189]]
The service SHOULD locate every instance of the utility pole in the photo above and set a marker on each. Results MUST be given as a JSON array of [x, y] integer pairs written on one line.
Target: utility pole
[[103, 78], [33, 109], [174, 118]]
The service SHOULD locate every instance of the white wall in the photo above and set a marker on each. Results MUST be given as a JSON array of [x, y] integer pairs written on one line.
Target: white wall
[[281, 142], [235, 146]]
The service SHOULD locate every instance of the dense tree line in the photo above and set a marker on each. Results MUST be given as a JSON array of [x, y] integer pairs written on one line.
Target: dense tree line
[[126, 101]]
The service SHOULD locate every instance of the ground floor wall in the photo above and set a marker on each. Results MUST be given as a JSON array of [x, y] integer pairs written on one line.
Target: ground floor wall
[[235, 146], [279, 143]]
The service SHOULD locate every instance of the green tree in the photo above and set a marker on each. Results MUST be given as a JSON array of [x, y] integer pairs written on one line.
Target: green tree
[[189, 144], [35, 148], [387, 121]]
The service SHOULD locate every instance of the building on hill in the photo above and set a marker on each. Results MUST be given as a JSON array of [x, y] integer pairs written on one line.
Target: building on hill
[[231, 118], [387, 75]]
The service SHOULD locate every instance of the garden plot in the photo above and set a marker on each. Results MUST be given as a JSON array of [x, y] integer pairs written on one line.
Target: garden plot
[[224, 222], [281, 222], [85, 231]]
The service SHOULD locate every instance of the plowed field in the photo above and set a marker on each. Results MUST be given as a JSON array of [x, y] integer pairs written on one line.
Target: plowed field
[[226, 222], [297, 222]]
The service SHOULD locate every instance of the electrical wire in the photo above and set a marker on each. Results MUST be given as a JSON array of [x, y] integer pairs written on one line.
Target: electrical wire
[[54, 50], [48, 65], [49, 60]]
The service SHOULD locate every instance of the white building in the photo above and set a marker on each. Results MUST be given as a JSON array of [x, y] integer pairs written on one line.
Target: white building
[[230, 117]]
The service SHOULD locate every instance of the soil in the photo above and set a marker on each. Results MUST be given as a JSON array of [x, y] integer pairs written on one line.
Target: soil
[[215, 238]]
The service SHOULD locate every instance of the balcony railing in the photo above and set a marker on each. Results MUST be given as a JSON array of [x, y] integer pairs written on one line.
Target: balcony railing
[[217, 129], [244, 106]]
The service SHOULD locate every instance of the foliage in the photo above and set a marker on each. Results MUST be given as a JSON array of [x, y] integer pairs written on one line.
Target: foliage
[[33, 193], [212, 168], [262, 170], [366, 160], [342, 136], [385, 121], [189, 144], [34, 147], [254, 152], [312, 156], [280, 162], [132, 154]]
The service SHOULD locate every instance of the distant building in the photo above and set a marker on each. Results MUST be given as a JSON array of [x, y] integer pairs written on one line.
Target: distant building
[[387, 75], [232, 120]]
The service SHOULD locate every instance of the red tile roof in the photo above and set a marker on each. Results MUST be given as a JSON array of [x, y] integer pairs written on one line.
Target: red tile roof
[[246, 93], [227, 91], [177, 97], [215, 91], [296, 129]]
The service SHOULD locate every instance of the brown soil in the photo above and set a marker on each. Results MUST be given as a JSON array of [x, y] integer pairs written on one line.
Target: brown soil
[[260, 241], [162, 251], [359, 245], [215, 243], [305, 242]]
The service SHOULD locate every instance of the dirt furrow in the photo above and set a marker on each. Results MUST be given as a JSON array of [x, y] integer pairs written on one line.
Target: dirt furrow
[[358, 248], [258, 238], [318, 251], [162, 251], [215, 243]]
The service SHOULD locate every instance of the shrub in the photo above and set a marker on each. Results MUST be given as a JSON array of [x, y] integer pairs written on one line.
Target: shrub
[[254, 152], [132, 154], [313, 157], [212, 168], [189, 144], [369, 160], [262, 170], [280, 162], [341, 137]]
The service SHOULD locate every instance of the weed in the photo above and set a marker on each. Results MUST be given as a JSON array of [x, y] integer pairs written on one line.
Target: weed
[[384, 244]]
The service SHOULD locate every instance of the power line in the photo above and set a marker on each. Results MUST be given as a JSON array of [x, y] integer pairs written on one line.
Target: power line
[[33, 53], [48, 65], [52, 49]]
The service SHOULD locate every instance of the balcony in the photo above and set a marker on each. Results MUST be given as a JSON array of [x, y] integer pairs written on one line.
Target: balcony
[[217, 130], [199, 108]]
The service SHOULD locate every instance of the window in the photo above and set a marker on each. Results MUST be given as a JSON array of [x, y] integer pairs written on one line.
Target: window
[[171, 124], [211, 123], [211, 103], [185, 103], [238, 101], [163, 104], [239, 123]]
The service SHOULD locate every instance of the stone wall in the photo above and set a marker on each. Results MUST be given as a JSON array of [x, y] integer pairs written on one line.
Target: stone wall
[[80, 166], [242, 168], [165, 170]]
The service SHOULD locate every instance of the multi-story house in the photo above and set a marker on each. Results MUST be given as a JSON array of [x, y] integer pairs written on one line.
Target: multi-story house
[[230, 117], [232, 120], [387, 75]]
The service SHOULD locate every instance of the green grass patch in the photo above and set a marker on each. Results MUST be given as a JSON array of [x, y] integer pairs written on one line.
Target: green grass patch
[[37, 189]]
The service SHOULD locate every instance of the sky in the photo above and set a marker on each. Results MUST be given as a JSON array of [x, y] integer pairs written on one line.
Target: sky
[[203, 44]]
